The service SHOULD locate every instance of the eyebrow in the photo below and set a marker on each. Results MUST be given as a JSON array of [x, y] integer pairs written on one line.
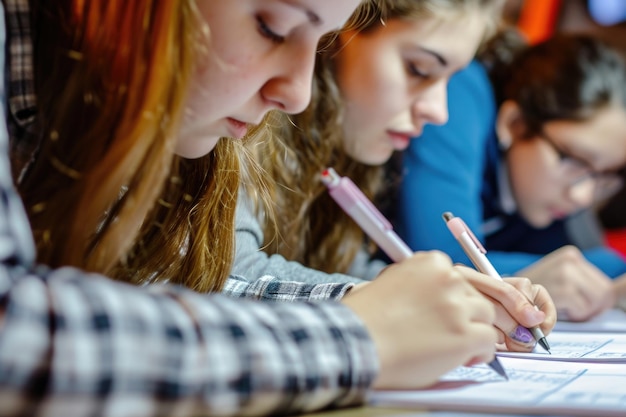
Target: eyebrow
[[311, 15]]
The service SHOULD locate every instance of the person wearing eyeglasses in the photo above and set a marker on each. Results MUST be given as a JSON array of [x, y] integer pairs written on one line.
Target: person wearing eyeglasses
[[536, 135]]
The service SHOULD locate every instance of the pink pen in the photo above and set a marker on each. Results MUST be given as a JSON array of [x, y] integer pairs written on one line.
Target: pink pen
[[477, 254], [374, 224], [365, 214]]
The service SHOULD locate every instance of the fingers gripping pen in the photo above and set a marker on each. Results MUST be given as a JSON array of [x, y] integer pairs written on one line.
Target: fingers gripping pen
[[477, 254], [352, 200]]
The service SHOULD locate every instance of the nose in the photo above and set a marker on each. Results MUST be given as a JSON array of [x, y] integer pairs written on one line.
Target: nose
[[582, 192], [432, 105], [289, 89]]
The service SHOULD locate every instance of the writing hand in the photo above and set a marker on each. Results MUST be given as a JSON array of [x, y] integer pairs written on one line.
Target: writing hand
[[514, 300], [425, 319]]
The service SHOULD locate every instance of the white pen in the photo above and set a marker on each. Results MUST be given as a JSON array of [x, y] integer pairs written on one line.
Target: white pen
[[352, 200], [477, 254]]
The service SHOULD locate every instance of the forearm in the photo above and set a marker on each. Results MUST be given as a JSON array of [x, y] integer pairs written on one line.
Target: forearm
[[513, 263], [73, 341], [274, 289], [254, 263], [251, 262]]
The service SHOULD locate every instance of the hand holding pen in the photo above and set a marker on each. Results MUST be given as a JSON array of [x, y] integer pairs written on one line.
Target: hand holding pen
[[472, 310], [477, 255]]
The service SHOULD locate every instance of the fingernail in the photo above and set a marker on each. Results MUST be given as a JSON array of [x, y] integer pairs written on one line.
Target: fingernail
[[521, 334]]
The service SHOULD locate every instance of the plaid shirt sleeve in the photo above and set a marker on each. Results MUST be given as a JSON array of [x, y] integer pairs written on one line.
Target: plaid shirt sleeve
[[274, 289], [78, 344], [21, 98], [72, 344]]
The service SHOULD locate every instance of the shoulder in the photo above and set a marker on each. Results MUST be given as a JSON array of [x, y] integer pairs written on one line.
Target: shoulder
[[472, 84]]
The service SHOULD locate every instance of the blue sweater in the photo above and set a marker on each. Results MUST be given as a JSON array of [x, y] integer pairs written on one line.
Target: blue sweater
[[455, 168]]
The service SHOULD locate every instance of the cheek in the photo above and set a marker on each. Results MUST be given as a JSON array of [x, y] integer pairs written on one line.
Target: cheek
[[351, 143], [218, 90], [374, 110], [537, 190], [529, 177], [528, 194], [204, 92], [367, 146], [387, 90], [373, 86]]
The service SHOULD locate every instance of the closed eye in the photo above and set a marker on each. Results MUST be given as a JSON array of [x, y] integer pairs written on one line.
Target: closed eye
[[267, 32], [416, 72]]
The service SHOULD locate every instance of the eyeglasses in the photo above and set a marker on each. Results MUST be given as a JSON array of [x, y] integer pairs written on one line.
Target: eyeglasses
[[580, 171]]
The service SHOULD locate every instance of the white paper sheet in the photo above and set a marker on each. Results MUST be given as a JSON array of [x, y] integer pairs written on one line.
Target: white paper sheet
[[579, 347], [609, 321], [535, 388]]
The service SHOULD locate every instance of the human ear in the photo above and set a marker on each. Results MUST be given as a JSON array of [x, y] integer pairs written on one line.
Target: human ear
[[510, 123]]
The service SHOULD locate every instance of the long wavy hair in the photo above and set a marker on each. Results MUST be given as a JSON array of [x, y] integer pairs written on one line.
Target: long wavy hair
[[105, 191], [310, 227]]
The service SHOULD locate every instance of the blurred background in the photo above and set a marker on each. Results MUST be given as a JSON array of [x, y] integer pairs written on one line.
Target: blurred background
[[538, 20]]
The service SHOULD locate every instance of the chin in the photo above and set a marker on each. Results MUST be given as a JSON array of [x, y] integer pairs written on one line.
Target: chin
[[374, 162], [194, 148], [376, 159], [535, 216], [195, 152], [539, 221], [370, 154]]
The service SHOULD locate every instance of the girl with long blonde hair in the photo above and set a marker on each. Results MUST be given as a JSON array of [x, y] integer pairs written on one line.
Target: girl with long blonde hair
[[374, 88], [326, 133], [133, 202]]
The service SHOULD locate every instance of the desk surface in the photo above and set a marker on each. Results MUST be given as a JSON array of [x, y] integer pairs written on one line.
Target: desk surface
[[396, 412], [365, 412]]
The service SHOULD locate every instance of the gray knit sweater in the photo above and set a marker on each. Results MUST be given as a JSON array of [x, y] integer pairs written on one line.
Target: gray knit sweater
[[251, 261]]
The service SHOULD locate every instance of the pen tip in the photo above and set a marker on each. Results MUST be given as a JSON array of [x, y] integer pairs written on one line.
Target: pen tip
[[544, 344], [497, 366], [447, 216]]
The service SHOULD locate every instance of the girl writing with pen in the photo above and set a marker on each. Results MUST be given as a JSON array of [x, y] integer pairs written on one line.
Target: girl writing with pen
[[373, 90], [141, 108]]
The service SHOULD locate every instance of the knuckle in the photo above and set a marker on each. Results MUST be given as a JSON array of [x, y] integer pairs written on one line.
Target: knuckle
[[526, 282], [440, 258], [457, 317], [571, 253], [512, 292]]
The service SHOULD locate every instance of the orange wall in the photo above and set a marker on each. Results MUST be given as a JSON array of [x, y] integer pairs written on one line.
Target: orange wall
[[538, 19]]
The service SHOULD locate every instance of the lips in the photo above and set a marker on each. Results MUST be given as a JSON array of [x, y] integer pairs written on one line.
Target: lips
[[237, 128], [558, 214], [401, 140]]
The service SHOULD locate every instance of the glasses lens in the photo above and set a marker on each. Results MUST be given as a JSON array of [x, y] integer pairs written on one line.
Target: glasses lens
[[602, 186], [607, 185]]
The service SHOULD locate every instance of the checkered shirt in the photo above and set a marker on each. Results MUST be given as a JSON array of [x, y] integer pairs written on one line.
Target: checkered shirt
[[77, 344]]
